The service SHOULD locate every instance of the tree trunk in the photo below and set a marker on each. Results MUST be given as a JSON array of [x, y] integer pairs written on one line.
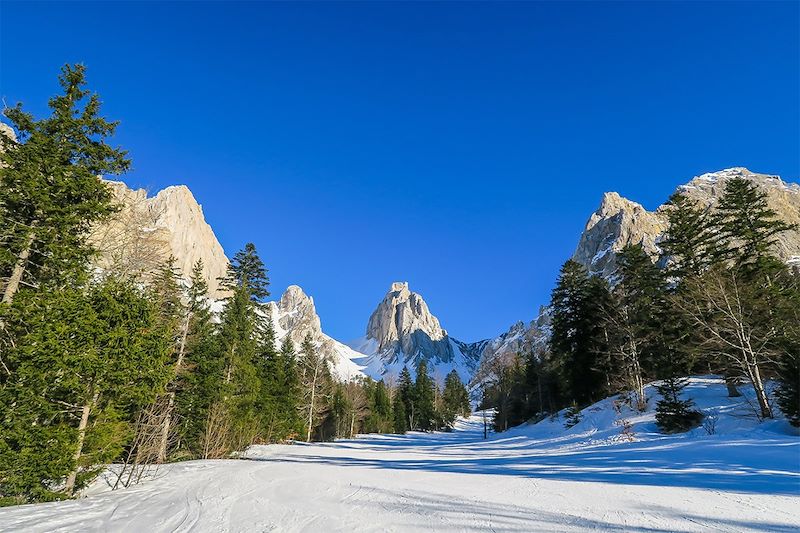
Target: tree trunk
[[352, 423], [162, 448], [761, 393], [70, 486], [164, 440], [19, 270], [730, 383], [311, 407]]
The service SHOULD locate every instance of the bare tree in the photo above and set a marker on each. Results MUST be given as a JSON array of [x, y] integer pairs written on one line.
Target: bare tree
[[216, 436], [315, 379], [359, 407], [730, 320], [130, 243]]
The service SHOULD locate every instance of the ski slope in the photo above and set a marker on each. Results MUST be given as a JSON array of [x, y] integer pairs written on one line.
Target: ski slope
[[541, 477]]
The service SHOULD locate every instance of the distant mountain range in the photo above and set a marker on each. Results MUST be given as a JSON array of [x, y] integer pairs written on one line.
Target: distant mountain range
[[402, 331]]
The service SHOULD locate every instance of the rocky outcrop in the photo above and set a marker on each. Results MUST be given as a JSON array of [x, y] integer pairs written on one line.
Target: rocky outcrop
[[148, 229], [402, 323], [295, 316], [616, 223], [619, 221]]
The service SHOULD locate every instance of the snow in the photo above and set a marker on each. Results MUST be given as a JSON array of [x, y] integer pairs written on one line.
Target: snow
[[537, 477]]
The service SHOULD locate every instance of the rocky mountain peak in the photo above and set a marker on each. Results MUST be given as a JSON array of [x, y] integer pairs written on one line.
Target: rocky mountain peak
[[617, 222], [295, 313], [403, 323], [148, 229]]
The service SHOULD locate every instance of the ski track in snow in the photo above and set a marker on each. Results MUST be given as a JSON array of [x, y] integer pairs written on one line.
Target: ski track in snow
[[531, 478]]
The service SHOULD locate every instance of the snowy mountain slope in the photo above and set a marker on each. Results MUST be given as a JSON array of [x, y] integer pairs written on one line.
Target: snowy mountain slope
[[295, 316], [538, 477]]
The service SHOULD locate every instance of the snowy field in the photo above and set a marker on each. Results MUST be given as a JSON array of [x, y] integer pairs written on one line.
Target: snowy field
[[744, 477]]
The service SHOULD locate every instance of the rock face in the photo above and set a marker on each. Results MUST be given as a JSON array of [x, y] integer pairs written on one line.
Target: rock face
[[619, 221], [295, 316], [402, 331], [616, 223], [147, 230], [402, 323]]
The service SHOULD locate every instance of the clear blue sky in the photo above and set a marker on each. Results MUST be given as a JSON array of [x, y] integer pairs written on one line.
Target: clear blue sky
[[460, 147]]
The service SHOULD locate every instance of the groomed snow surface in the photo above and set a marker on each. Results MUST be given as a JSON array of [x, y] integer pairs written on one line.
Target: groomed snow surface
[[539, 477]]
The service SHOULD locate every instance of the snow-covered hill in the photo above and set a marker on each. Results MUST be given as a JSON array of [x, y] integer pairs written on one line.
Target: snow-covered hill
[[537, 477]]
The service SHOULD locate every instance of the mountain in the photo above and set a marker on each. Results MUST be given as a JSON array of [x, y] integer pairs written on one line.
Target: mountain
[[619, 222], [295, 316], [148, 229], [402, 332]]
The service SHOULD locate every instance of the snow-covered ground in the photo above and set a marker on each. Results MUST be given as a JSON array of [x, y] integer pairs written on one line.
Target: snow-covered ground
[[745, 477]]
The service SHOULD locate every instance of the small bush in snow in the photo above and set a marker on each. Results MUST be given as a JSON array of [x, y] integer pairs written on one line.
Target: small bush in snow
[[674, 415], [626, 432], [710, 424], [573, 416]]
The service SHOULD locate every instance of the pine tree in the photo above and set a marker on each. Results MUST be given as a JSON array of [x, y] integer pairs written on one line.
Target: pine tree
[[576, 341], [747, 226], [406, 397], [380, 418], [87, 361], [247, 269], [166, 294], [198, 380], [674, 415], [689, 242], [788, 393], [455, 398], [51, 194], [424, 394], [637, 319], [399, 416], [243, 344]]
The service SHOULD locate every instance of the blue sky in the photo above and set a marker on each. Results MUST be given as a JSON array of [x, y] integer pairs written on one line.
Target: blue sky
[[460, 147]]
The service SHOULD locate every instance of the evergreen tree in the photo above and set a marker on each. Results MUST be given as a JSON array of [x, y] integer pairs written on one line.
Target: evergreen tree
[[637, 320], [576, 340], [316, 385], [424, 394], [399, 416], [87, 360], [455, 398], [747, 226], [406, 397], [674, 415], [380, 419], [247, 269], [50, 193], [788, 392], [689, 242], [198, 381], [243, 344], [510, 396]]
